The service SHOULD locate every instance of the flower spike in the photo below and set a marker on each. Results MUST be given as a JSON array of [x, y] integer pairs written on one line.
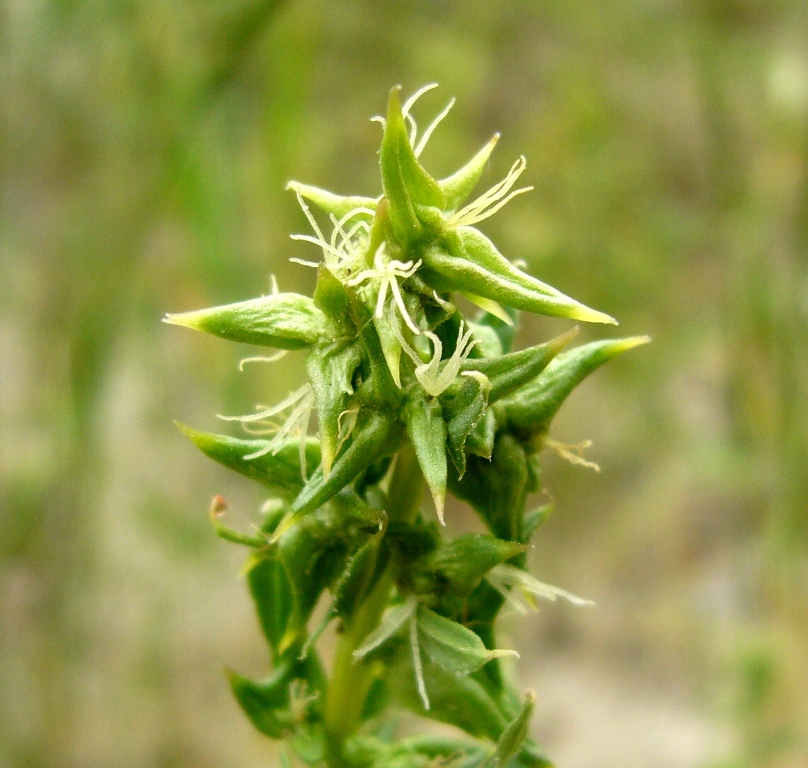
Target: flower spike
[[411, 397]]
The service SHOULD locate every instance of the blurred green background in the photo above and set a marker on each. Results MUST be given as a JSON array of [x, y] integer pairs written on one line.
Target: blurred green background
[[144, 147]]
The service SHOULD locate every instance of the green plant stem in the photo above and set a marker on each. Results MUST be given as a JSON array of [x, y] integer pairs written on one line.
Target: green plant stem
[[351, 680]]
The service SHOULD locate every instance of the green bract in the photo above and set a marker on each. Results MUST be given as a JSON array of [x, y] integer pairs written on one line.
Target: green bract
[[408, 394]]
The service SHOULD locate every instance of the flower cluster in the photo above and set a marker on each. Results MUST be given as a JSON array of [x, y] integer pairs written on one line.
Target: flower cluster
[[457, 411]]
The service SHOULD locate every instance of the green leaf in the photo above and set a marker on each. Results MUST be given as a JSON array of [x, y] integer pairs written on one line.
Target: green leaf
[[378, 390], [389, 336], [282, 320], [473, 264], [404, 181], [496, 489], [458, 700], [392, 621], [358, 578], [272, 595], [480, 441], [265, 702], [279, 472], [530, 756], [508, 373], [427, 432], [451, 645], [506, 332], [331, 296], [362, 751], [512, 738], [457, 187], [464, 403], [285, 700], [369, 441], [457, 566], [403, 220], [534, 519], [316, 550], [309, 743], [532, 408], [337, 205], [331, 369], [423, 189]]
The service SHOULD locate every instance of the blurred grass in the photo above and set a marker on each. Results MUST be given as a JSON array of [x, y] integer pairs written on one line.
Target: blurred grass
[[144, 146]]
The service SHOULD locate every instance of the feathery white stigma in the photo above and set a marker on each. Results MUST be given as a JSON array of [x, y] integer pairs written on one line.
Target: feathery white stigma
[[436, 375], [491, 201], [388, 273]]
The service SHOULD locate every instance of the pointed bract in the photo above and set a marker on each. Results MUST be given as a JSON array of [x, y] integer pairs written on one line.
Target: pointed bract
[[532, 408], [281, 320], [279, 472], [499, 282], [336, 205], [427, 432], [457, 187]]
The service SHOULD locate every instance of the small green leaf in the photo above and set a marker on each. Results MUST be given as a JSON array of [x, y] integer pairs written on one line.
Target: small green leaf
[[282, 320], [358, 578], [453, 646], [392, 621], [457, 187], [458, 700], [534, 519], [331, 369], [266, 702], [510, 743], [271, 591], [316, 550], [423, 189], [464, 404], [309, 743], [364, 751], [530, 756], [370, 440], [279, 472], [389, 330], [458, 565], [473, 264], [331, 296], [504, 330], [284, 701], [508, 373], [480, 441], [496, 489], [427, 432], [336, 205], [403, 220], [379, 390], [532, 408]]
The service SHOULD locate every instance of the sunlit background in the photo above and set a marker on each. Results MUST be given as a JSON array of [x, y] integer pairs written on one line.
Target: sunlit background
[[144, 149]]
